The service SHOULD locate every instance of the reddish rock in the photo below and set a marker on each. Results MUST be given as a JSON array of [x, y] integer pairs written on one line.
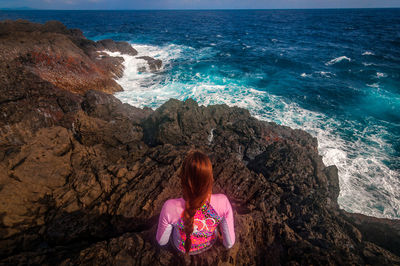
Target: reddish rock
[[61, 56]]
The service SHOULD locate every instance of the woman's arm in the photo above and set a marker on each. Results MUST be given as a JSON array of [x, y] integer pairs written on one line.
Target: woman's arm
[[164, 226], [227, 226]]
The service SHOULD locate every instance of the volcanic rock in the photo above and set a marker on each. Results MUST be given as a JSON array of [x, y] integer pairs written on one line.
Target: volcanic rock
[[112, 46], [154, 64], [61, 56], [98, 188]]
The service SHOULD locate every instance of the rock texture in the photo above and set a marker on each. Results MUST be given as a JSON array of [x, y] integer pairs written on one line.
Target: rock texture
[[83, 178], [64, 57], [154, 64]]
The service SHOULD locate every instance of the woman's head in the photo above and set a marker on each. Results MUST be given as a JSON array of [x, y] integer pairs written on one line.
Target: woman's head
[[196, 176], [197, 180]]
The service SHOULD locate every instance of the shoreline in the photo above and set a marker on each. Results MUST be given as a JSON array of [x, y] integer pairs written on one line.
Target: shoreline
[[333, 148]]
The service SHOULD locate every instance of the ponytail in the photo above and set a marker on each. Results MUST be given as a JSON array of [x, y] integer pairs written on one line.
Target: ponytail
[[188, 216], [197, 180]]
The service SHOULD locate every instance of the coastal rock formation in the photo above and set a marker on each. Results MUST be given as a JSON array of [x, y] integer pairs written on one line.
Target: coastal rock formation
[[65, 57], [154, 64], [83, 178]]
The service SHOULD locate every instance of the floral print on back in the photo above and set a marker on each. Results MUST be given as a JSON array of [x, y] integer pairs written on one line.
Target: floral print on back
[[205, 221]]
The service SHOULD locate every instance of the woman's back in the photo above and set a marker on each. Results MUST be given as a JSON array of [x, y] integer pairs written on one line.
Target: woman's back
[[194, 217], [213, 213]]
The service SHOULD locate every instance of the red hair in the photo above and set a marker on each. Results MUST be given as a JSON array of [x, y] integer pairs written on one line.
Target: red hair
[[197, 180]]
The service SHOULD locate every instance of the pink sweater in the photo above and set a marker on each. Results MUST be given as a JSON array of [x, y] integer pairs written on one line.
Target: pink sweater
[[217, 212]]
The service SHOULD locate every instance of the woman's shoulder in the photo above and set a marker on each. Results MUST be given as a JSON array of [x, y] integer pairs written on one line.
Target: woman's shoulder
[[220, 203], [219, 197], [173, 209], [174, 203]]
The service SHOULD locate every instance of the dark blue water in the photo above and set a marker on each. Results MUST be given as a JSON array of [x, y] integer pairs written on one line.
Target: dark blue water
[[334, 73]]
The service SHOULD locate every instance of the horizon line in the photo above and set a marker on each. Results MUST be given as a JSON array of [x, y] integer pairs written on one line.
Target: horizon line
[[191, 9]]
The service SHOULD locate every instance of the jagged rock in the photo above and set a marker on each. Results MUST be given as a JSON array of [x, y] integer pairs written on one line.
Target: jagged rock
[[384, 232], [154, 64], [122, 47], [61, 56], [116, 181], [83, 178]]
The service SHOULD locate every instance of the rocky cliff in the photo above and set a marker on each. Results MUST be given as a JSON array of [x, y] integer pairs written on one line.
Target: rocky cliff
[[83, 176], [64, 57]]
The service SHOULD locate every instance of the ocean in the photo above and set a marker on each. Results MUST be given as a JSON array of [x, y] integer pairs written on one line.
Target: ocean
[[334, 73]]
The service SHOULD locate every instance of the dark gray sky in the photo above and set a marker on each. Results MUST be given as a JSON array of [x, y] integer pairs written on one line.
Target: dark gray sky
[[196, 4]]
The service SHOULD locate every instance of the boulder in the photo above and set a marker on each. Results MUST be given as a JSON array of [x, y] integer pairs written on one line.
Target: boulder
[[154, 64]]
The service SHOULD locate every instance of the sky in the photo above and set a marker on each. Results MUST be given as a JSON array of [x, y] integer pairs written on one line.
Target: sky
[[196, 4]]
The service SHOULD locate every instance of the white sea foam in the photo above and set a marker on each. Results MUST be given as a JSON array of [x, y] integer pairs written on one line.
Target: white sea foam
[[326, 74], [337, 60], [367, 185], [368, 53], [135, 81], [381, 75], [367, 64], [373, 85]]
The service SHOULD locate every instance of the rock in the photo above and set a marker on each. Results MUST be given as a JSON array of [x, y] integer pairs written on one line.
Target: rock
[[154, 64], [122, 47], [83, 178], [61, 56], [384, 232], [115, 185]]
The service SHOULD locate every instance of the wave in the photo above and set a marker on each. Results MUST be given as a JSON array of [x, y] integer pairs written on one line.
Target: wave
[[136, 80], [373, 85], [367, 185], [368, 53], [337, 60], [304, 75], [325, 74], [381, 75], [368, 64]]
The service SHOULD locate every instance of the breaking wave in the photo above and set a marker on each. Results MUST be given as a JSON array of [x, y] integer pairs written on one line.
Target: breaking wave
[[337, 60]]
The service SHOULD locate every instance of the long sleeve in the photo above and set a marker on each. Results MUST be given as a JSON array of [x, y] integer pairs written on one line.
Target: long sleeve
[[227, 225], [164, 226]]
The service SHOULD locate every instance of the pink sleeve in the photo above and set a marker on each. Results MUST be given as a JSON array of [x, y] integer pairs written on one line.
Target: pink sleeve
[[227, 225], [164, 225]]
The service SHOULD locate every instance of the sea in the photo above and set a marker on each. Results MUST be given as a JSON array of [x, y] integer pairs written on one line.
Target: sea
[[334, 73]]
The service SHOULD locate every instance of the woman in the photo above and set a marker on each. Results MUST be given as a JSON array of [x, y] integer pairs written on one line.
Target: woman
[[193, 219]]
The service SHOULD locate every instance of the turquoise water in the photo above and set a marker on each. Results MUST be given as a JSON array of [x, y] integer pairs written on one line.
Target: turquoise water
[[334, 73]]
